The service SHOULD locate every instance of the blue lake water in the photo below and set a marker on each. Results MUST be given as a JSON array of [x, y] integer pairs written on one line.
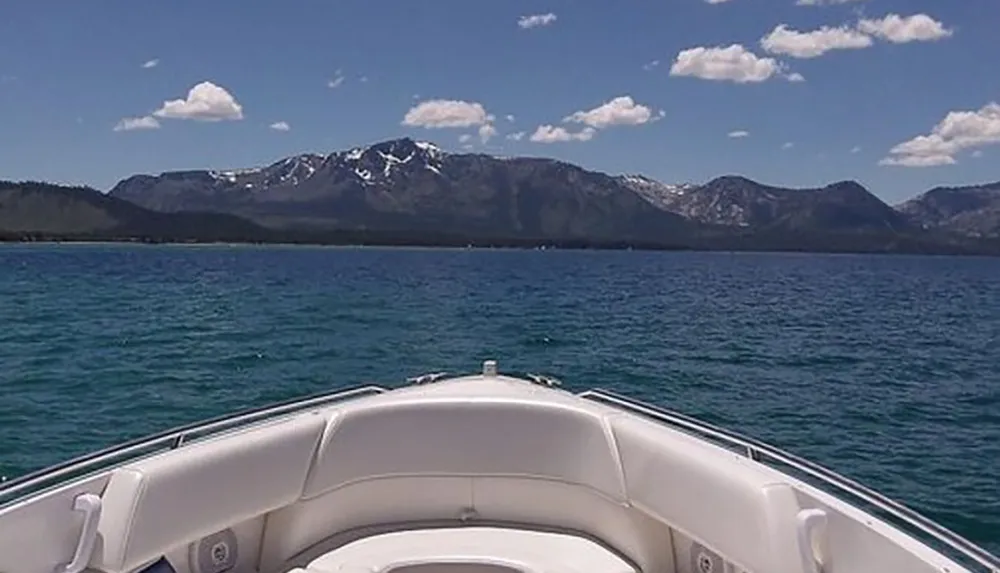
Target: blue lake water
[[884, 369]]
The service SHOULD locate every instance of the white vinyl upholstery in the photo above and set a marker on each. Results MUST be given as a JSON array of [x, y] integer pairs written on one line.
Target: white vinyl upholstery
[[509, 550], [636, 535], [291, 530], [421, 459], [722, 499], [177, 497], [467, 437]]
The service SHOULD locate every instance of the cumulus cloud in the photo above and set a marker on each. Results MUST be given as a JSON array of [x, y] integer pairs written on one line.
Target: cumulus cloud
[[622, 110], [738, 134], [134, 123], [510, 118], [150, 64], [795, 77], [536, 20], [280, 126], [958, 131], [446, 113], [732, 63], [204, 102], [557, 134], [789, 42], [440, 113], [903, 29]]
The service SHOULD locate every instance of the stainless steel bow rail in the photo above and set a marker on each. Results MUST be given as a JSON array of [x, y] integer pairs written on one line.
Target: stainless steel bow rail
[[966, 551], [92, 463]]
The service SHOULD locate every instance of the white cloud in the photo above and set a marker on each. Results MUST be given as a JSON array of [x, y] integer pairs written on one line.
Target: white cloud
[[556, 134], [486, 131], [536, 20], [621, 110], [795, 77], [738, 134], [516, 136], [464, 138], [716, 1], [651, 65], [856, 149], [363, 79], [510, 118], [823, 2], [902, 29], [280, 126], [133, 123], [440, 113], [958, 131], [918, 160], [733, 63], [336, 80], [205, 102], [151, 64], [786, 41], [788, 145]]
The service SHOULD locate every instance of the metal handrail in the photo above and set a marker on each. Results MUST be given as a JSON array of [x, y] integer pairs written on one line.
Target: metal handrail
[[171, 439], [759, 451]]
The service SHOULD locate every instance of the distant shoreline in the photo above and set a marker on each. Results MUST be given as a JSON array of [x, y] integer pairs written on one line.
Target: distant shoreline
[[456, 243]]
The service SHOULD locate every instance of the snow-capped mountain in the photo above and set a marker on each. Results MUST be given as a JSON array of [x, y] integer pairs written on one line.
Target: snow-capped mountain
[[415, 185], [370, 165], [733, 201], [410, 184]]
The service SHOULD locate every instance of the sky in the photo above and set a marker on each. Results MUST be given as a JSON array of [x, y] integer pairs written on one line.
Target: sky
[[900, 95]]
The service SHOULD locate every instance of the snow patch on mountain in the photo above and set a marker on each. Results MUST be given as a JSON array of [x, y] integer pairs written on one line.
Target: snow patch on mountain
[[662, 195]]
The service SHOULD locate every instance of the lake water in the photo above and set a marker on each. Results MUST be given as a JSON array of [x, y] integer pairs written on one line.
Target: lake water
[[884, 369]]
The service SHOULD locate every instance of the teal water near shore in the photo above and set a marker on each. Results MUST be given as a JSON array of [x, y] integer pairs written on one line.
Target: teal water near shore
[[883, 368]]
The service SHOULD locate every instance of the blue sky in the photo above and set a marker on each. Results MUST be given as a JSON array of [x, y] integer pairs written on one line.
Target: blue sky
[[881, 73]]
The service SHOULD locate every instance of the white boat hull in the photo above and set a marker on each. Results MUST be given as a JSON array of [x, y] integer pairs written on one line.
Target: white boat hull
[[479, 474]]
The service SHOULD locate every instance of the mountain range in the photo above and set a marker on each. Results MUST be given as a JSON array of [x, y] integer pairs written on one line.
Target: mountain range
[[406, 191]]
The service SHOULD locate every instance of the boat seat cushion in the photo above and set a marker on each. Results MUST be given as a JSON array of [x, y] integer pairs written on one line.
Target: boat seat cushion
[[471, 550], [467, 437], [722, 499], [177, 497]]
